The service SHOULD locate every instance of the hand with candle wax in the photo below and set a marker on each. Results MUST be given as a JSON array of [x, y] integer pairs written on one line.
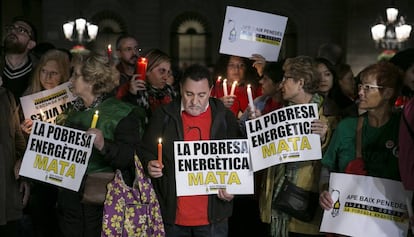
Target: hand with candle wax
[[155, 169]]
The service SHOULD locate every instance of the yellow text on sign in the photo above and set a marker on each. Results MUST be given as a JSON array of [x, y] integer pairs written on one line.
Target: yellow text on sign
[[56, 166], [286, 145], [217, 177]]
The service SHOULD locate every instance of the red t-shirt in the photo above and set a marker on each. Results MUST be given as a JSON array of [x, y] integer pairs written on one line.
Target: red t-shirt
[[193, 210]]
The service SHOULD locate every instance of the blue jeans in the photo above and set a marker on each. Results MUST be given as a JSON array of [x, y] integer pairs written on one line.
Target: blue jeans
[[211, 230]]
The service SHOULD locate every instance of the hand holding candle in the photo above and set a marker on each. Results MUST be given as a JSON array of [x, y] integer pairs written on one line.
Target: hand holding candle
[[141, 68], [160, 151], [233, 87], [225, 87], [250, 97], [95, 119]]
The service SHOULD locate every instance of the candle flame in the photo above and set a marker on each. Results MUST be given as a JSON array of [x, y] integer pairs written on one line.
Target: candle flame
[[96, 112], [159, 140], [235, 83], [109, 47], [219, 78], [143, 60], [248, 86]]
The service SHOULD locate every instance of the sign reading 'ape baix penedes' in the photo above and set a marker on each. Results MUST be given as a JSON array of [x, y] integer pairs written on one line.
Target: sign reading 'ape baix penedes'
[[57, 155], [283, 135], [203, 167]]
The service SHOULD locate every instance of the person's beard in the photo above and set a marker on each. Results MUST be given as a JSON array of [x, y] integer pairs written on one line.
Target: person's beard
[[13, 46]]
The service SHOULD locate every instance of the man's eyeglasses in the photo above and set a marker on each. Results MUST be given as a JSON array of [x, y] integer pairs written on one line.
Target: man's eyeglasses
[[18, 29], [131, 49], [286, 77], [368, 87]]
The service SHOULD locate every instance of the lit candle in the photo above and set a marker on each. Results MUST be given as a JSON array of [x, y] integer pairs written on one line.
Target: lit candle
[[141, 68], [160, 151], [216, 86], [109, 52], [95, 119], [233, 87], [250, 97], [225, 87]]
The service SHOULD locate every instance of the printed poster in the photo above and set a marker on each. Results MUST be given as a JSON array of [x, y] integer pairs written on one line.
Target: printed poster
[[48, 104], [283, 135], [57, 155], [203, 167], [365, 206], [247, 32]]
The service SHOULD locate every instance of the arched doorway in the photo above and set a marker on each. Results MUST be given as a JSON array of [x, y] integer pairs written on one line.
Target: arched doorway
[[190, 40]]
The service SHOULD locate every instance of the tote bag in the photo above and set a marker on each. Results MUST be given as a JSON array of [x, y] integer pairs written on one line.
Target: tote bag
[[132, 211]]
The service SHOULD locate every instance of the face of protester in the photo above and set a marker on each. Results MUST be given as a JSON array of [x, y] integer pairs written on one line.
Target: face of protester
[[79, 86], [347, 84], [128, 51], [371, 95], [409, 77], [158, 76], [195, 95], [49, 75], [269, 88], [326, 82], [236, 69], [18, 38], [291, 89]]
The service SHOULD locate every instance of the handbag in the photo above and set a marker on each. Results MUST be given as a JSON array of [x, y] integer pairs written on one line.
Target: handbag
[[132, 211], [357, 166], [296, 202], [94, 190]]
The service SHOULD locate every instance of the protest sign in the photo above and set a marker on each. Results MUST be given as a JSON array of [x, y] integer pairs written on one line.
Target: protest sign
[[203, 167], [57, 155], [247, 32], [366, 206], [283, 135], [47, 104]]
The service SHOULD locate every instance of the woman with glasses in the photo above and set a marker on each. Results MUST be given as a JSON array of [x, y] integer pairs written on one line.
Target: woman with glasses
[[154, 91], [234, 69], [300, 83], [379, 86]]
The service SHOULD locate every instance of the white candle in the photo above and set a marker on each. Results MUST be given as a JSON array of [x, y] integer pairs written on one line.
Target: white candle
[[225, 87], [233, 87], [250, 97]]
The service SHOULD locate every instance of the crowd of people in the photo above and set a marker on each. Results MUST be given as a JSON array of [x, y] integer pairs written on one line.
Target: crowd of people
[[363, 121]]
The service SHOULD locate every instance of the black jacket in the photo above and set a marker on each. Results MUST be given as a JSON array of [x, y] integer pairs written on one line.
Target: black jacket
[[166, 123]]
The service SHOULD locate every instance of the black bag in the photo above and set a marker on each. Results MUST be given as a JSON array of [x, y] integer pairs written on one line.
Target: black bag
[[296, 201]]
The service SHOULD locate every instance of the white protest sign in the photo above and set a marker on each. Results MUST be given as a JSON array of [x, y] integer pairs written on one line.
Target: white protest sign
[[247, 32], [57, 155], [47, 104], [366, 206], [203, 167], [283, 135]]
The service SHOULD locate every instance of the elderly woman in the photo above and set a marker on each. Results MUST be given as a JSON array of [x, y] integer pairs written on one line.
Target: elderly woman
[[118, 132], [380, 84], [154, 91], [299, 86]]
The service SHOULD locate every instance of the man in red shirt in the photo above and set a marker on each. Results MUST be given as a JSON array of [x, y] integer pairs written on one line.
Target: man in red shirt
[[196, 116]]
